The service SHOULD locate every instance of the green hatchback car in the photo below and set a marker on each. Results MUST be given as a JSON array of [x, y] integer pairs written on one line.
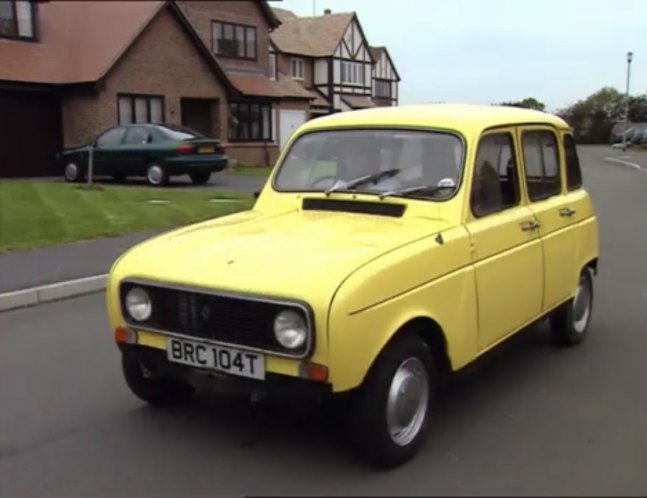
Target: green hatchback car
[[156, 151]]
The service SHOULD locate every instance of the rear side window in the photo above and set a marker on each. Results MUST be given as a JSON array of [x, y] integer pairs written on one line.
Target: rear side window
[[573, 171], [137, 136], [495, 185], [541, 163]]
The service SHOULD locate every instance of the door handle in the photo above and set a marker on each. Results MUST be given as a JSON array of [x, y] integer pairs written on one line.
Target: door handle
[[568, 211], [529, 226]]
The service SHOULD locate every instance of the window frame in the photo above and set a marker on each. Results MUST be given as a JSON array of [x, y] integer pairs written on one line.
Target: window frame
[[14, 14], [148, 97], [517, 170], [531, 129], [297, 62], [246, 40], [263, 137], [386, 83], [578, 186]]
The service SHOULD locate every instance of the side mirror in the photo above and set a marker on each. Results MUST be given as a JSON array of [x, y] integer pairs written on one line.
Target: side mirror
[[256, 194]]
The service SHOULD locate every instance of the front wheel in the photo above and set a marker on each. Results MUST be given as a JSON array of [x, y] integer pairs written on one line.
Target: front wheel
[[390, 414], [156, 175], [158, 392], [200, 177], [73, 172], [570, 322]]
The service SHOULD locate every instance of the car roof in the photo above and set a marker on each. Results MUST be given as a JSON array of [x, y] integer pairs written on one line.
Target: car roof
[[465, 118]]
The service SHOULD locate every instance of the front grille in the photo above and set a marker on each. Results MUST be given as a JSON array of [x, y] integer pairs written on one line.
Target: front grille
[[223, 318]]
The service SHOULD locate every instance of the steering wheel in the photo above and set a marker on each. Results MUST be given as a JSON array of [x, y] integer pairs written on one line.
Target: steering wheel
[[321, 178]]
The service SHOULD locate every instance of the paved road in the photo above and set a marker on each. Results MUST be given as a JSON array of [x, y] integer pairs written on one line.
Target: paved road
[[538, 421]]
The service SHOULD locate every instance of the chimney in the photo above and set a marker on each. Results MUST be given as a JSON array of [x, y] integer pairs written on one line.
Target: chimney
[[327, 12]]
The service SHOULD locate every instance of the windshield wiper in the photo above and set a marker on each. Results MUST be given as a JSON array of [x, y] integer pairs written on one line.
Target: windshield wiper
[[432, 190], [356, 182]]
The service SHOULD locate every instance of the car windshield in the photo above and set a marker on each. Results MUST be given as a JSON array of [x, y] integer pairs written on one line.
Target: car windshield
[[411, 163], [179, 132]]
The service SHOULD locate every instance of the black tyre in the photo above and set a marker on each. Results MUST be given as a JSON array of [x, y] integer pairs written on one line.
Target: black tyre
[[570, 322], [157, 392], [200, 177], [390, 412], [156, 174], [73, 172]]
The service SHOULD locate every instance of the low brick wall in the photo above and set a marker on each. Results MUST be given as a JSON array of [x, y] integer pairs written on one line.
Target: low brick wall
[[253, 154]]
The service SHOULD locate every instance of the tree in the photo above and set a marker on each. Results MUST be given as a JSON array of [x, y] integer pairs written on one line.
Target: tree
[[527, 103], [593, 118]]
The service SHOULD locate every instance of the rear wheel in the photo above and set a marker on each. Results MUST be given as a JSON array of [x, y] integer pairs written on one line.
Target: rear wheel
[[154, 391], [390, 413], [570, 322], [157, 175], [200, 177]]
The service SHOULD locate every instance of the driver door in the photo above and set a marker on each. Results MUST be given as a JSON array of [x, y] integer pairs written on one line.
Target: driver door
[[106, 151]]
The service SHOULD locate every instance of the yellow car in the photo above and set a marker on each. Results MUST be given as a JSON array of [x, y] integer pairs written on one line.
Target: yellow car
[[389, 248]]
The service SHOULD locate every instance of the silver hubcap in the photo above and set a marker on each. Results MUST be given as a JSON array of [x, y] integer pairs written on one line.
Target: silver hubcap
[[406, 407], [155, 174], [581, 306], [71, 171]]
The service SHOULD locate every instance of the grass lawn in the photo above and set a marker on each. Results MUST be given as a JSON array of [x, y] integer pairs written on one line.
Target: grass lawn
[[37, 213], [263, 171]]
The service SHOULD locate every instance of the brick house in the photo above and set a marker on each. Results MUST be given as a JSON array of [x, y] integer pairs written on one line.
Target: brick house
[[69, 70], [330, 55]]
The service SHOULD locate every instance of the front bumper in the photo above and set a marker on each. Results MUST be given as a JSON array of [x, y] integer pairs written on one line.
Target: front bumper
[[155, 362]]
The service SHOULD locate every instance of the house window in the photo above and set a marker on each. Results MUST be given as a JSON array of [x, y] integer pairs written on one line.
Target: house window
[[233, 40], [297, 68], [250, 122], [17, 19], [383, 88], [140, 109], [272, 66], [352, 73]]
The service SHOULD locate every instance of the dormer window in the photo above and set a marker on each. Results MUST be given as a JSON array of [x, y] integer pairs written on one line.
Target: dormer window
[[17, 19]]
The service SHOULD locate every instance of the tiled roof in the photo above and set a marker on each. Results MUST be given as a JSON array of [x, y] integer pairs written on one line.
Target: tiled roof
[[312, 36], [259, 85], [95, 34], [319, 100], [284, 14], [358, 101], [376, 52]]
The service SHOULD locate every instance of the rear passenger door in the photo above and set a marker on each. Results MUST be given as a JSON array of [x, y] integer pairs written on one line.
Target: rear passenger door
[[506, 249], [136, 149], [543, 174]]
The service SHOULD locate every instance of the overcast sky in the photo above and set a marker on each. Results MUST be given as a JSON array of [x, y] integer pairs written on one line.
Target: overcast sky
[[487, 51]]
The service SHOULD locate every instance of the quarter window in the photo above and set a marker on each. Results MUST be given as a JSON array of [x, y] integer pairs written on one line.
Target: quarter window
[[17, 19], [140, 109], [233, 40], [495, 184], [573, 171], [541, 163]]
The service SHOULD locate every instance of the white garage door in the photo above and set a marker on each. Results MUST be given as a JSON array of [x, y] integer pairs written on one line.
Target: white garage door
[[288, 122]]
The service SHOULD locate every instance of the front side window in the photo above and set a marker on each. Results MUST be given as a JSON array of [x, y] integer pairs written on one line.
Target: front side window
[[541, 163], [250, 122], [233, 40], [297, 68], [140, 109], [573, 171], [111, 137], [17, 19], [495, 185], [420, 164]]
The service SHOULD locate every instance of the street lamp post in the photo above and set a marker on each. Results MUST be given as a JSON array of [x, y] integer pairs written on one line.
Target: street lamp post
[[624, 135]]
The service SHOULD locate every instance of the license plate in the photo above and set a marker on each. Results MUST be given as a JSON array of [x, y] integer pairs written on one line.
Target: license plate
[[221, 358], [206, 150]]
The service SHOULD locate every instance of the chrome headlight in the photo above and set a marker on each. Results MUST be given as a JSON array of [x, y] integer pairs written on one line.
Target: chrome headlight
[[138, 304], [290, 329]]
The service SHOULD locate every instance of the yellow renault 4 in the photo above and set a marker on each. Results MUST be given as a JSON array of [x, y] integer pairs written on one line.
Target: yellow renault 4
[[389, 248]]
